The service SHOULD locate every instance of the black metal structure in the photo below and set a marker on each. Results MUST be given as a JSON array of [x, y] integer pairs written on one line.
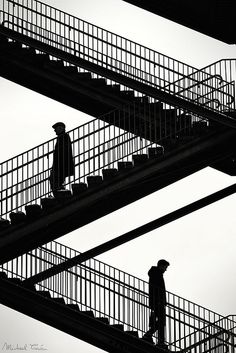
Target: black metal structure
[[135, 233], [215, 18]]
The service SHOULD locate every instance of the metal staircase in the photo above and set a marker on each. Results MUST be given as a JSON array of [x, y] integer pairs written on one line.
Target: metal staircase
[[110, 164], [114, 304], [54, 49]]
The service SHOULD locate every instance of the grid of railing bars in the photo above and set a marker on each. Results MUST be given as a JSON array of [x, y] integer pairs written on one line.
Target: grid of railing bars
[[226, 68], [109, 50], [218, 338], [97, 145], [123, 299]]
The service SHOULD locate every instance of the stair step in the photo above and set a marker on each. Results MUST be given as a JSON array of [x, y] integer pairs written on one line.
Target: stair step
[[4, 224], [44, 293], [2, 37], [88, 313], [59, 300], [15, 46], [42, 58], [169, 115], [113, 88], [109, 174], [79, 188], [62, 195], [155, 152], [84, 75], [17, 217], [4, 43], [199, 128], [33, 211], [48, 203], [125, 166], [74, 306], [16, 281], [127, 94], [184, 121], [97, 82], [29, 51], [143, 100], [3, 275], [29, 286], [58, 64], [94, 180], [168, 144], [133, 333], [72, 70], [139, 159], [156, 106], [103, 320], [118, 327]]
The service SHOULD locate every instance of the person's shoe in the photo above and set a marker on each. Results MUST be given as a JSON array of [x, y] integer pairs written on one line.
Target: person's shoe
[[148, 338]]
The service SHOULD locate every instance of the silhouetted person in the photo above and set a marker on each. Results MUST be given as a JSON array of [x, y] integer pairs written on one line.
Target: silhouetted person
[[157, 303], [63, 164]]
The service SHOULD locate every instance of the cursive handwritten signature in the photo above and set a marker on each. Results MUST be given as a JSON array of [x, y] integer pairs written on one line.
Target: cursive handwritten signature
[[25, 347]]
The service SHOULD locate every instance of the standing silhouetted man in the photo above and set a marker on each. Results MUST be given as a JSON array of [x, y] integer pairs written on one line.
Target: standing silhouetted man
[[157, 302], [63, 164]]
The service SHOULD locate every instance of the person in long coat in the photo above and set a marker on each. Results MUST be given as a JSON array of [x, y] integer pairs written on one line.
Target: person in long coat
[[157, 302], [63, 163]]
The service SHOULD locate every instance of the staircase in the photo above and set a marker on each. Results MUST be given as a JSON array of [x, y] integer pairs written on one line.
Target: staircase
[[110, 165], [80, 59], [117, 315]]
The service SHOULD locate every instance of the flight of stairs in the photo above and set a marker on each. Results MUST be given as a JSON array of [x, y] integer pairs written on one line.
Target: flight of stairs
[[84, 325], [38, 224]]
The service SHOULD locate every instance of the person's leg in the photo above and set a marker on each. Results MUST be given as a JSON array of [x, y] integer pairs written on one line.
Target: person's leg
[[161, 323], [152, 327], [56, 181]]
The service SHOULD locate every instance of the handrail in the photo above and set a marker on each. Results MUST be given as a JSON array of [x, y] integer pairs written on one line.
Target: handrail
[[210, 325], [204, 341], [39, 10], [217, 62]]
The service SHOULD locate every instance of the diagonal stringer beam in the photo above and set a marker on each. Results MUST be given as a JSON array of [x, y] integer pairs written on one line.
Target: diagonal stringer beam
[[133, 234]]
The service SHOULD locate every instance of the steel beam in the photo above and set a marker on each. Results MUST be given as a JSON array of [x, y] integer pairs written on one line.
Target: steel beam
[[133, 234]]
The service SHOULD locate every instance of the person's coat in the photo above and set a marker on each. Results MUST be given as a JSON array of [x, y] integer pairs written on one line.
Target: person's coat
[[157, 291], [63, 163]]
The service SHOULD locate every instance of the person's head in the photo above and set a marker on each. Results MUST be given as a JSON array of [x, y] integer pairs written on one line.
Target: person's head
[[59, 128], [162, 265]]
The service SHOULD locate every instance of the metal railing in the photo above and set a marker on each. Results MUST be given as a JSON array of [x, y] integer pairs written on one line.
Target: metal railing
[[123, 299], [226, 68], [118, 54], [99, 144]]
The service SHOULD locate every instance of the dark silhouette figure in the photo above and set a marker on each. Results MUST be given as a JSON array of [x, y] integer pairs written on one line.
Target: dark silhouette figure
[[157, 303], [63, 164]]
